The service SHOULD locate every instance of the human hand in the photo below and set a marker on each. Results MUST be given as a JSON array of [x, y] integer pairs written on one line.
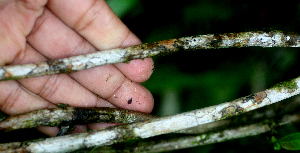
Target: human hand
[[35, 31]]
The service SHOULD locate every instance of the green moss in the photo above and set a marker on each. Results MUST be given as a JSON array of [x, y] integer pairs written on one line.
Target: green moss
[[33, 123], [231, 111], [203, 137], [61, 105], [30, 123], [54, 124], [12, 78], [287, 85], [129, 135]]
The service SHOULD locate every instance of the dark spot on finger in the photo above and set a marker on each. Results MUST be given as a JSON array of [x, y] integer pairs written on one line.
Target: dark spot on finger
[[129, 101]]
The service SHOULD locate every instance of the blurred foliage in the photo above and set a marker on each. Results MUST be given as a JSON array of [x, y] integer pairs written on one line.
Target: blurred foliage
[[290, 142], [207, 77], [121, 8]]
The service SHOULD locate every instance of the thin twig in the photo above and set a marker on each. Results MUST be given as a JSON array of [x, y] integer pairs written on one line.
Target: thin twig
[[210, 41], [158, 126], [71, 116]]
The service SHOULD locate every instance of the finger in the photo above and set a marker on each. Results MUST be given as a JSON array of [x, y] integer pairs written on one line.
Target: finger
[[137, 70], [129, 96], [50, 131], [94, 126], [96, 22], [117, 89], [93, 19]]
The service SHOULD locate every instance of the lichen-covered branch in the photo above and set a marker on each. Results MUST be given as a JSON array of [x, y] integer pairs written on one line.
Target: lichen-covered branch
[[71, 116], [253, 123], [158, 126], [276, 110], [204, 139], [210, 41]]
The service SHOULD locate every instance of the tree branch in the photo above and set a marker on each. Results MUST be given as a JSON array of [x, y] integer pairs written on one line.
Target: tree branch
[[71, 116], [210, 41], [266, 119], [204, 139]]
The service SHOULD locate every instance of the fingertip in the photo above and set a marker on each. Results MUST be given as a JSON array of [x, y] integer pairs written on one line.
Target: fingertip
[[95, 126], [142, 103], [78, 129], [146, 104], [138, 70], [147, 107], [133, 96], [50, 131]]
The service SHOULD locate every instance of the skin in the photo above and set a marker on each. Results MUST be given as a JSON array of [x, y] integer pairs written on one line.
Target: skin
[[41, 30]]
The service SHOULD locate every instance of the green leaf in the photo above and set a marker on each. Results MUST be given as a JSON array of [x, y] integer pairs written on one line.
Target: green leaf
[[63, 105], [290, 142], [121, 8], [273, 139], [277, 146]]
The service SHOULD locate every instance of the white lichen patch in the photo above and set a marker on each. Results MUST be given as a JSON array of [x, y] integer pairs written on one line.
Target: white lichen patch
[[100, 138], [2, 72], [20, 70], [166, 125]]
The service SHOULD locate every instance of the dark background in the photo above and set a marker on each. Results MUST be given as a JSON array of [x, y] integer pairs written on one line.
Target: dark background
[[192, 80]]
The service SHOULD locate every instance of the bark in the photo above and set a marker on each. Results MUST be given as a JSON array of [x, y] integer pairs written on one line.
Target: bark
[[202, 139], [67, 116], [210, 41]]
